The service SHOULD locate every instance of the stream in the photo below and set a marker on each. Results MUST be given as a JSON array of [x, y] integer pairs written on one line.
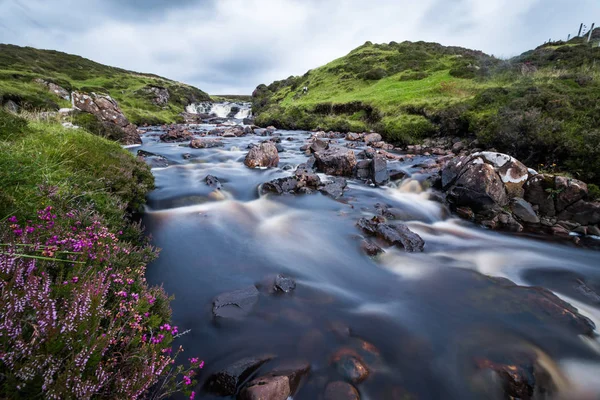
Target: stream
[[430, 325]]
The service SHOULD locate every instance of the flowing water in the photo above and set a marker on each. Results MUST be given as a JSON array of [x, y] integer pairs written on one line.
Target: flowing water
[[423, 322], [226, 109]]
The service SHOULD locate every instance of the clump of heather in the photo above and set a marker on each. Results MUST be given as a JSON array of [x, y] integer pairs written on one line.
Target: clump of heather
[[78, 319]]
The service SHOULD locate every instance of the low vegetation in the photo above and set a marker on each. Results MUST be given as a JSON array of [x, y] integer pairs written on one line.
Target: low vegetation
[[19, 66], [541, 107], [78, 319]]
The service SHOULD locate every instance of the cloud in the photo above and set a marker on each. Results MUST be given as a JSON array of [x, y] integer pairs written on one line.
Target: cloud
[[230, 46]]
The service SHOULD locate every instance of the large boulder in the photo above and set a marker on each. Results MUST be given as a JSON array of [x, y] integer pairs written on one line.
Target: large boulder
[[372, 138], [478, 187], [568, 191], [512, 172], [263, 155], [538, 191], [582, 212], [335, 161], [107, 111]]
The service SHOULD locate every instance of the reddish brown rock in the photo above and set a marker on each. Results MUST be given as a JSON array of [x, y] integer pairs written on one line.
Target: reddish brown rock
[[568, 192], [264, 155], [350, 365], [267, 388], [335, 161]]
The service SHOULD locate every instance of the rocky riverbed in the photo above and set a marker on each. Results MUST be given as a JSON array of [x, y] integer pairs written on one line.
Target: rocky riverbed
[[327, 266]]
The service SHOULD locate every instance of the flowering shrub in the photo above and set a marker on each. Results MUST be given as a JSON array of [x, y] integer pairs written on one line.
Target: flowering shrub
[[78, 319]]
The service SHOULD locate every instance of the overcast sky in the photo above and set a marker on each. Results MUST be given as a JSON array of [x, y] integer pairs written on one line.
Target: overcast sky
[[231, 46]]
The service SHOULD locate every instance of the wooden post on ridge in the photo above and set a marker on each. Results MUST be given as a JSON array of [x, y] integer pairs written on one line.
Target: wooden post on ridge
[[591, 31], [580, 28]]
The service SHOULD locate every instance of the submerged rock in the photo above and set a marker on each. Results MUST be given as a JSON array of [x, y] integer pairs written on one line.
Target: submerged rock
[[296, 371], [236, 304], [340, 391], [284, 284], [397, 234], [227, 381], [263, 155], [350, 365], [370, 248]]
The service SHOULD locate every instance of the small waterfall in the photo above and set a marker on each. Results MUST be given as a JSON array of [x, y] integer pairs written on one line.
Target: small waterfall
[[222, 110]]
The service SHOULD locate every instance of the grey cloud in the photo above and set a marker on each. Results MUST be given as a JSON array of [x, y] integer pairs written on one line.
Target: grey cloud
[[233, 45]]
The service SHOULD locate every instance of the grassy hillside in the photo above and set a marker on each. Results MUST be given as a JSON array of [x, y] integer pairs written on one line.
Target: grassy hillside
[[19, 66], [541, 106]]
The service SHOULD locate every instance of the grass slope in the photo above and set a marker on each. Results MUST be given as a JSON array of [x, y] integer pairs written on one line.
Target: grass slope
[[20, 65], [541, 106], [43, 163]]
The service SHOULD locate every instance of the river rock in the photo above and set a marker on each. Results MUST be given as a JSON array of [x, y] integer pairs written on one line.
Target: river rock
[[227, 381], [340, 391], [267, 388], [205, 143], [582, 212], [264, 155], [397, 234], [512, 172], [524, 211], [236, 304], [295, 370], [569, 191], [350, 365], [213, 182], [372, 138], [176, 134], [370, 248], [334, 188], [353, 137], [318, 145], [520, 374], [538, 191], [478, 187], [284, 284], [107, 111], [335, 161], [379, 171]]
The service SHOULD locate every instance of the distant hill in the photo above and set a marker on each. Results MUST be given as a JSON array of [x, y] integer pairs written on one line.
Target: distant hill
[[19, 66], [542, 106]]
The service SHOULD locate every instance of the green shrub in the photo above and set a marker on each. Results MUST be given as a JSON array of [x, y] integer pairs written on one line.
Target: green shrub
[[593, 192], [10, 124], [375, 74]]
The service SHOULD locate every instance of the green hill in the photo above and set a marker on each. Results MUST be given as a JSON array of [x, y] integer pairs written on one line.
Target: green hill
[[19, 66], [541, 107]]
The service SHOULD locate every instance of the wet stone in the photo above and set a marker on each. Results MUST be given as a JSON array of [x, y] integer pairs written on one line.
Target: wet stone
[[397, 234], [296, 371], [227, 381], [370, 248], [334, 188], [350, 366], [284, 284], [267, 388], [340, 391], [213, 182], [236, 304]]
